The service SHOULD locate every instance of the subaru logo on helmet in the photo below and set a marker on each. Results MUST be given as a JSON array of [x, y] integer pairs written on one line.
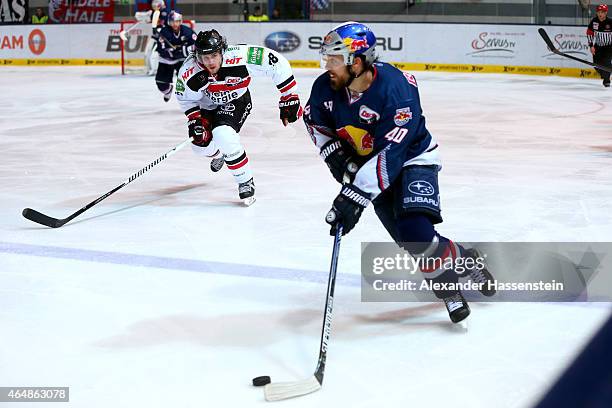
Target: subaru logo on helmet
[[421, 187], [282, 41]]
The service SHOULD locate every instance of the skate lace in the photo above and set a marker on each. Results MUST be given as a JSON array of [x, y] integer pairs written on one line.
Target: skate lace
[[478, 276], [217, 163], [244, 187], [452, 299], [453, 302]]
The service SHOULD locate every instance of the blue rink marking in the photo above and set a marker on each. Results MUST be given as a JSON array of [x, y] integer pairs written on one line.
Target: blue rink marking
[[192, 265]]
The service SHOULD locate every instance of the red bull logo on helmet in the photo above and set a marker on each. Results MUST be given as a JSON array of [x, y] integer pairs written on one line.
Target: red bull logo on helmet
[[355, 44]]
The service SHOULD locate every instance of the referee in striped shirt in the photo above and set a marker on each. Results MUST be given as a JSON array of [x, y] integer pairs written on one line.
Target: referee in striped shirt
[[599, 34]]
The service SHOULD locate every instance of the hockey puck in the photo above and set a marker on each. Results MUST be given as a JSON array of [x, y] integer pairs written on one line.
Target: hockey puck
[[261, 381]]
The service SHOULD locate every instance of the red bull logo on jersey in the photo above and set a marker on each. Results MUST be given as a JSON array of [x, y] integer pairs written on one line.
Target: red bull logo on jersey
[[360, 139], [355, 45], [402, 116]]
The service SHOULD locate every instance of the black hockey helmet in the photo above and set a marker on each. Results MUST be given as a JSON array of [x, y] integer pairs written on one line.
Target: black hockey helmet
[[209, 42]]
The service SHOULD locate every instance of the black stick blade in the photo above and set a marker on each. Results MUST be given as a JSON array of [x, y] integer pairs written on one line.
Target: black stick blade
[[555, 50], [546, 39], [41, 218]]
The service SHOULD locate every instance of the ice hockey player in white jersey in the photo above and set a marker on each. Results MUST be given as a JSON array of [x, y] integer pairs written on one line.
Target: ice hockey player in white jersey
[[213, 91]]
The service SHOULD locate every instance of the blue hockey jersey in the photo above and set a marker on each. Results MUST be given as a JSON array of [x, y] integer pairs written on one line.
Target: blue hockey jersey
[[181, 44], [383, 128]]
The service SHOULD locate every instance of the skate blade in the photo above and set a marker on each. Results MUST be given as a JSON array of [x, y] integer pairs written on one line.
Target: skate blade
[[248, 201], [461, 327]]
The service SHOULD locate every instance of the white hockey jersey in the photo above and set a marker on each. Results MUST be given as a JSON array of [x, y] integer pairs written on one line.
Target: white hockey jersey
[[196, 87]]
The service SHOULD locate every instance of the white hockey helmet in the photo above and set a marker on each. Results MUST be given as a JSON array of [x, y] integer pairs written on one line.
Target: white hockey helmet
[[158, 4], [175, 16]]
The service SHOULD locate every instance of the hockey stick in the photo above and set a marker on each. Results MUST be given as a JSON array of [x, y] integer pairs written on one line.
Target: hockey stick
[[168, 43], [155, 19], [43, 219], [551, 47], [122, 34], [284, 390]]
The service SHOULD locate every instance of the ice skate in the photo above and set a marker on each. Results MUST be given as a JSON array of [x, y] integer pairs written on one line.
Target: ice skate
[[482, 275], [246, 191], [217, 164], [457, 307], [168, 94]]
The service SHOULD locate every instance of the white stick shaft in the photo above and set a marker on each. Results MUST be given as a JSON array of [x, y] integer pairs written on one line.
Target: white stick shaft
[[155, 19], [122, 34]]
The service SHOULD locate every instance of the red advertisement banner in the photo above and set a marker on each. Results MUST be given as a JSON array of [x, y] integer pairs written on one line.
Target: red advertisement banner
[[81, 11]]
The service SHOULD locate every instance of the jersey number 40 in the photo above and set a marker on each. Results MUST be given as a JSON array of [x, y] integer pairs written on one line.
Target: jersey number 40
[[396, 135]]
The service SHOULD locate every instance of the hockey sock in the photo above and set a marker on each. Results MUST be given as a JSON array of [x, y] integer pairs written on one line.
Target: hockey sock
[[236, 158]]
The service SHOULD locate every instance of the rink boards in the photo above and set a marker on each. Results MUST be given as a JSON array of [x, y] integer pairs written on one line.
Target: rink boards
[[515, 49]]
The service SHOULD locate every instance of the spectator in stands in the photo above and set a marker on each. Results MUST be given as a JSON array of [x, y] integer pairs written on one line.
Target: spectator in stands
[[275, 14], [258, 15], [39, 17]]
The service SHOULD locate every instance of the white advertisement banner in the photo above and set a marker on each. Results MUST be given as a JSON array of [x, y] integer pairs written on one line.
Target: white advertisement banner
[[469, 45]]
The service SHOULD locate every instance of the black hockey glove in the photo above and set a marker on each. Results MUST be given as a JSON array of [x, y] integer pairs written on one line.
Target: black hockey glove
[[347, 207], [199, 129], [338, 161], [290, 108]]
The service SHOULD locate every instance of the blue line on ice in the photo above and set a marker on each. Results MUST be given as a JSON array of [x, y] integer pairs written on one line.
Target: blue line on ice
[[193, 265]]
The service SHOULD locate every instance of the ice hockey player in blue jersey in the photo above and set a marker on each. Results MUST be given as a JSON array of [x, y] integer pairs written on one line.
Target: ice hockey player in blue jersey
[[369, 113], [174, 44]]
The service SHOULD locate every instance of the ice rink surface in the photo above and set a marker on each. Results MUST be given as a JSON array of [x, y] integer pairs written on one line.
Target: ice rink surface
[[170, 294]]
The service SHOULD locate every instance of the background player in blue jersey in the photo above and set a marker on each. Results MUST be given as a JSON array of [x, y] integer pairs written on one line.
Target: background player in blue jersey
[[369, 113], [174, 44]]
